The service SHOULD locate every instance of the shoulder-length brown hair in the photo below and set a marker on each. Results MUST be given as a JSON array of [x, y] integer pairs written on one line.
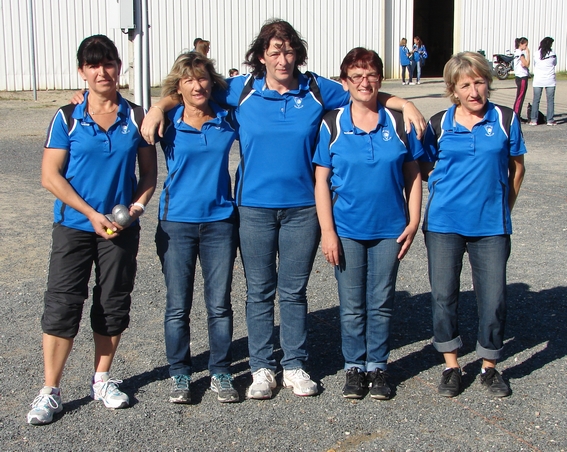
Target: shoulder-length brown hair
[[275, 29]]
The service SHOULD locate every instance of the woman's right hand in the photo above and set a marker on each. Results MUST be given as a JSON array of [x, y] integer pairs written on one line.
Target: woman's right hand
[[78, 97], [103, 226], [331, 247], [154, 121]]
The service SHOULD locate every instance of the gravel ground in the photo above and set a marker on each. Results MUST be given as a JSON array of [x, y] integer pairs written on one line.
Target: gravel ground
[[416, 419]]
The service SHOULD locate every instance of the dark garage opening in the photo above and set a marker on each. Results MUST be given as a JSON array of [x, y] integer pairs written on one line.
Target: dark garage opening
[[433, 22]]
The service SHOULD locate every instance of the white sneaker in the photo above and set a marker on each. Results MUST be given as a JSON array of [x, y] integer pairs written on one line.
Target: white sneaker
[[263, 381], [107, 391], [412, 83], [44, 406], [300, 382], [419, 83]]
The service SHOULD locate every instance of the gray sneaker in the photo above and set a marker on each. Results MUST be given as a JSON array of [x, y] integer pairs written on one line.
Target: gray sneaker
[[222, 385], [180, 392], [263, 381], [107, 391], [44, 406]]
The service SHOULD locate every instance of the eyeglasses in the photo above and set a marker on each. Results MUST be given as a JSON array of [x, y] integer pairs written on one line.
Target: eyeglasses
[[357, 78]]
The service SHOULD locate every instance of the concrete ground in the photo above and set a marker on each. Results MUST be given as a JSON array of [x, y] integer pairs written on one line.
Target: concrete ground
[[416, 419]]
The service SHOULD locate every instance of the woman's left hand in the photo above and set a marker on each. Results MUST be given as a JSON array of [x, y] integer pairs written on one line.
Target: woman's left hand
[[413, 116], [406, 239]]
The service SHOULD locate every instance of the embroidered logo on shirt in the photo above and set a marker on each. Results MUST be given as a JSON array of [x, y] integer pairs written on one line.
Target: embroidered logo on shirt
[[386, 135], [489, 130], [298, 102], [124, 128]]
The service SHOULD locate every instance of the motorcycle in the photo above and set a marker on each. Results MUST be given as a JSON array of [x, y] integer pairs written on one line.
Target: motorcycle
[[503, 65]]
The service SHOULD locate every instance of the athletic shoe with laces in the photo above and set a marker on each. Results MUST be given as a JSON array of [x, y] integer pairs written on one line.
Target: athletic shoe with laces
[[222, 385], [44, 406], [378, 384], [180, 392], [107, 391], [492, 381], [355, 385], [300, 382], [263, 381], [532, 123], [450, 385], [551, 123]]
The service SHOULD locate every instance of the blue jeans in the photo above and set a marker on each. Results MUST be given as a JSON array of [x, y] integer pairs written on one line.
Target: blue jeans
[[178, 246], [293, 235], [413, 65], [487, 257], [550, 95], [367, 287]]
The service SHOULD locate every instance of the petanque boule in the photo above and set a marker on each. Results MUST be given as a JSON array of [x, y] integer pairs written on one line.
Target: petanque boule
[[121, 214]]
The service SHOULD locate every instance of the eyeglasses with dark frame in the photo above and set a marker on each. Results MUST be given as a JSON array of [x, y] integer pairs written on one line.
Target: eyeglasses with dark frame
[[356, 79]]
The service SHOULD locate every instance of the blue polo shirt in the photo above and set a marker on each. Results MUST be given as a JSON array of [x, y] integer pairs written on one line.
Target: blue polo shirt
[[468, 188], [101, 165], [277, 139], [367, 181], [198, 187]]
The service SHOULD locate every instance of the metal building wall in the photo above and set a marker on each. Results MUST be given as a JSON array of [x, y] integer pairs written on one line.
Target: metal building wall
[[330, 27], [493, 25], [60, 26]]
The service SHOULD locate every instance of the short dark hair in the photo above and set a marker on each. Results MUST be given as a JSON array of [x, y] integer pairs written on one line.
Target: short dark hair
[[196, 41], [362, 58], [275, 29], [95, 49]]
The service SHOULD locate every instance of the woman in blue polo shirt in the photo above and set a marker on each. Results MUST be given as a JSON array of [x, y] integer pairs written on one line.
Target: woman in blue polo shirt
[[197, 219], [367, 228], [89, 164], [474, 161], [278, 110]]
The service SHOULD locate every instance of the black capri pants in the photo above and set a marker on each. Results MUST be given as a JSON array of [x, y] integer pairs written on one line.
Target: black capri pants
[[73, 253]]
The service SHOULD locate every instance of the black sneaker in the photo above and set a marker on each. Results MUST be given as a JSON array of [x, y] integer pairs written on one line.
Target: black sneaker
[[450, 385], [355, 385], [492, 381], [180, 389], [378, 384]]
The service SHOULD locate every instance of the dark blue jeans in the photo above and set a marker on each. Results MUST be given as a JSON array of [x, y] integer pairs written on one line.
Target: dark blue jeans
[[367, 288], [488, 257], [178, 246], [292, 235]]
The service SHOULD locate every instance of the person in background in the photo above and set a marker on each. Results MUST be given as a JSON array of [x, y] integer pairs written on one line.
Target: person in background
[[521, 73], [418, 56], [545, 61], [366, 228], [405, 60], [203, 47], [278, 110], [89, 164], [195, 42], [233, 72], [474, 163], [197, 219]]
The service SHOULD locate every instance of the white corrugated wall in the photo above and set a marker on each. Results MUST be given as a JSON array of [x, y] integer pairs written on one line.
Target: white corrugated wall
[[331, 28], [493, 25]]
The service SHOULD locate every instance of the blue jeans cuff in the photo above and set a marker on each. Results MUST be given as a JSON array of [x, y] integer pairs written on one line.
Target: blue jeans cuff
[[446, 347], [350, 366], [485, 353]]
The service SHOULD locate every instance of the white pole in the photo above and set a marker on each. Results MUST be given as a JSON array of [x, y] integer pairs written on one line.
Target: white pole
[[32, 49], [138, 97], [146, 93]]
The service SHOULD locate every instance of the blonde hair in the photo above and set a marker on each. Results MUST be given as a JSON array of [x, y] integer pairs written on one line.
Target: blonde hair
[[190, 64], [403, 41], [471, 64]]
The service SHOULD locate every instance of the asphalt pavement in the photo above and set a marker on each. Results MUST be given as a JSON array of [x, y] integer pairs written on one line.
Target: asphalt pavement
[[415, 419]]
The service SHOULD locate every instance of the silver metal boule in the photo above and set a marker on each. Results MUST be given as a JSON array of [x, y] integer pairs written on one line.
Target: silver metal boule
[[121, 214]]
